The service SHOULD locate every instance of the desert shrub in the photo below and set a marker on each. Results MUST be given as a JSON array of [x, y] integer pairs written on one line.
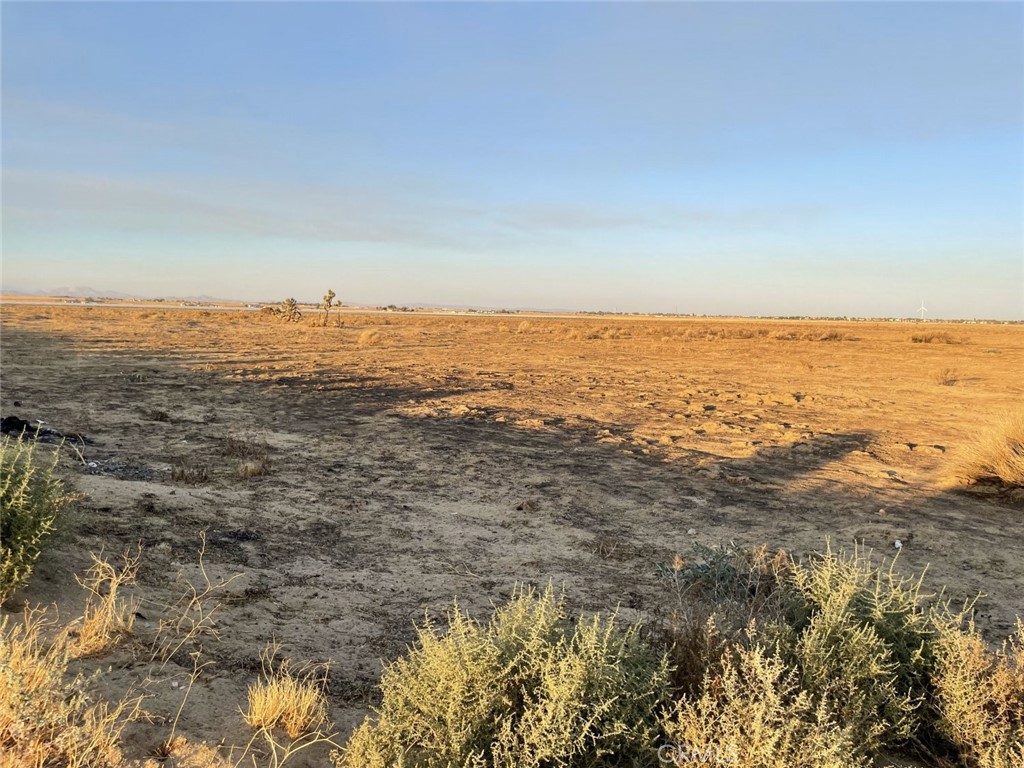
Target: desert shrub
[[865, 650], [832, 335], [947, 377], [529, 688], [979, 694], [753, 714], [935, 337], [179, 752], [855, 634], [31, 500], [325, 306], [718, 592], [996, 457]]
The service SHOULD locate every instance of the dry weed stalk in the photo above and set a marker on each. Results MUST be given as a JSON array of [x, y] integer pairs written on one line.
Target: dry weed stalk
[[191, 616], [108, 618]]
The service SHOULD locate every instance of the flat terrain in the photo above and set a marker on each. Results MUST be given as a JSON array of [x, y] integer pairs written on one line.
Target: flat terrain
[[411, 459]]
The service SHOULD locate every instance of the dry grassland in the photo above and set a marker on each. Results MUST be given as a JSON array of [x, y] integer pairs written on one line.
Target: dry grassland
[[359, 475]]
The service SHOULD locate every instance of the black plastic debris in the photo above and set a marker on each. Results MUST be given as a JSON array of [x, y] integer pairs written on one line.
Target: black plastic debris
[[13, 425]]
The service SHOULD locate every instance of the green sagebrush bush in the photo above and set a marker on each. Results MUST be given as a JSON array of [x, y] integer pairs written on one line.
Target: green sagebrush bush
[[856, 636], [864, 652], [753, 714], [529, 688], [31, 499]]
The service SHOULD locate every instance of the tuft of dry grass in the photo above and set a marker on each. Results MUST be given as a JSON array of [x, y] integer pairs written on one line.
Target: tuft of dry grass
[[248, 469], [369, 338], [286, 698], [46, 717], [245, 447], [183, 471], [108, 617], [947, 377], [996, 457]]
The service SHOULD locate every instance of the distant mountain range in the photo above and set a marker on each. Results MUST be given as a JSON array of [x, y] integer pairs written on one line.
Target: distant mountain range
[[85, 291]]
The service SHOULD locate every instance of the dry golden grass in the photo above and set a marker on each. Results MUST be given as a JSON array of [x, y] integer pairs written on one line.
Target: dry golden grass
[[108, 618], [254, 468], [46, 718], [369, 338], [996, 457], [286, 698], [183, 471]]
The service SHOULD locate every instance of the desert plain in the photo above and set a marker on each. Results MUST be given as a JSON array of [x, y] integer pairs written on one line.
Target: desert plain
[[358, 477]]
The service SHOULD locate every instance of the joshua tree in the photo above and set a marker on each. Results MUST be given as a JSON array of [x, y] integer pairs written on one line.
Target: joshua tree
[[290, 311], [326, 305]]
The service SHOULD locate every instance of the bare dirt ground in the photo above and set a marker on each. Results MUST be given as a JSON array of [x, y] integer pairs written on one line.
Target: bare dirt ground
[[458, 456]]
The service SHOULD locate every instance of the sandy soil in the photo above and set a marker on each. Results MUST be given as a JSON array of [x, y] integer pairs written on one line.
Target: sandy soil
[[444, 456]]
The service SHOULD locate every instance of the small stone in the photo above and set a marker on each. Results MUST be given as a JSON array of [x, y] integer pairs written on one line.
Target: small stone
[[692, 532]]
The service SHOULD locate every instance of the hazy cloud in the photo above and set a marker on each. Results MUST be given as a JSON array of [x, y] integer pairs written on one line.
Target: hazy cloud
[[331, 213]]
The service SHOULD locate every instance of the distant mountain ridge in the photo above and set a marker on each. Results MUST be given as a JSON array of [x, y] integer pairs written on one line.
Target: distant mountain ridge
[[85, 292]]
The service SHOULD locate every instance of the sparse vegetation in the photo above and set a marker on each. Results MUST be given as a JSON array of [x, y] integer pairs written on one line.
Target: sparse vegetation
[[288, 311], [836, 662], [251, 454], [935, 337], [31, 501], [377, 501], [947, 377], [996, 457]]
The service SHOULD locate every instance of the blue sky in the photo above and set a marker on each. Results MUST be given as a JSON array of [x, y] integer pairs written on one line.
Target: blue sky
[[731, 158]]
